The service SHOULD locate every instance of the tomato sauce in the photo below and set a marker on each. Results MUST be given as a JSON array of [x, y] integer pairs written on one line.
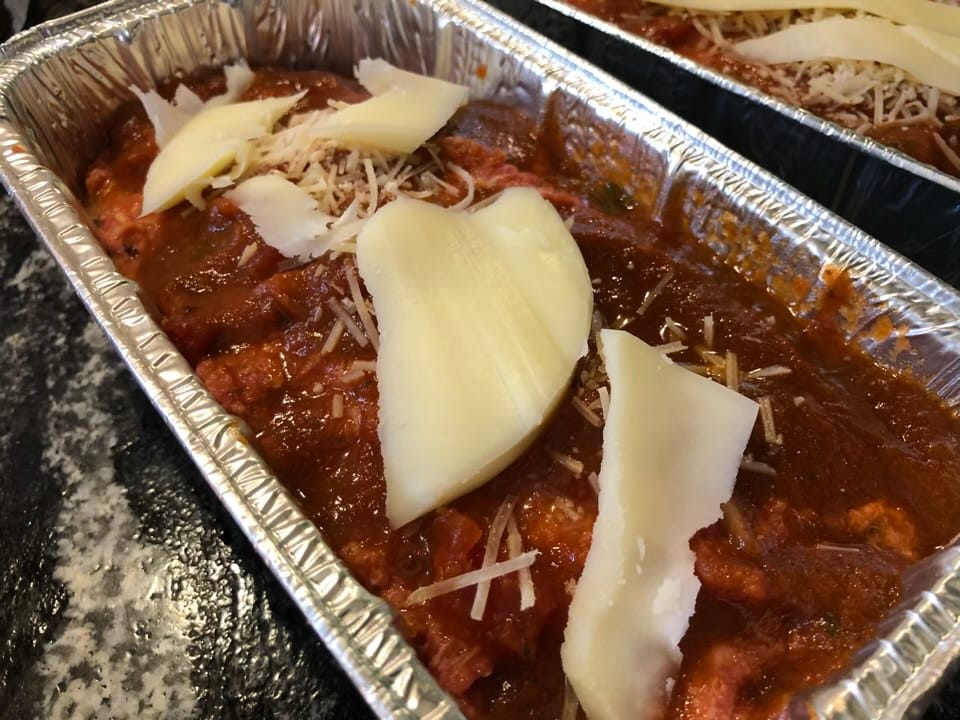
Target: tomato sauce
[[797, 574]]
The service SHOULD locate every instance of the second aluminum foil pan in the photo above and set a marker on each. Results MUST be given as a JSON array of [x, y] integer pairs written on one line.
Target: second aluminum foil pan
[[912, 207], [60, 82]]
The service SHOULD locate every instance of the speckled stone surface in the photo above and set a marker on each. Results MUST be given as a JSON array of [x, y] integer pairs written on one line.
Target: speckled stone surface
[[125, 590]]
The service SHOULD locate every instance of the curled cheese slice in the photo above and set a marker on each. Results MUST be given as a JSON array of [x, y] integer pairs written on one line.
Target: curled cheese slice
[[935, 16], [672, 444], [482, 317], [931, 57], [207, 144], [168, 118], [286, 216], [405, 111]]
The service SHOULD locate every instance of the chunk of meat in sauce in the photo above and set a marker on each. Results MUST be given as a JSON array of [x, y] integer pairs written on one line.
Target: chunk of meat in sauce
[[885, 527], [717, 678], [818, 602], [492, 173], [559, 528], [726, 573]]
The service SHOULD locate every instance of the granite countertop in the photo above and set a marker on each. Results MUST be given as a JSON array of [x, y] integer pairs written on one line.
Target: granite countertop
[[126, 591]]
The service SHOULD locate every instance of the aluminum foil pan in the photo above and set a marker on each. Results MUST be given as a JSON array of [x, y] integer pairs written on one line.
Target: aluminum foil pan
[[60, 82], [911, 206]]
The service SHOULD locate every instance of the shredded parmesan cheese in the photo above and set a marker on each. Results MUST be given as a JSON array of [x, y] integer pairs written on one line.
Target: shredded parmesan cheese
[[528, 597], [708, 331], [766, 418], [361, 307], [351, 376], [248, 252], [604, 396], [373, 188], [732, 371], [589, 415], [336, 406], [711, 358], [495, 535], [799, 400], [947, 151], [348, 322], [672, 329], [761, 468], [594, 481], [348, 183], [770, 371], [571, 706], [333, 338], [834, 547], [652, 295], [468, 181], [369, 366], [471, 578], [566, 461]]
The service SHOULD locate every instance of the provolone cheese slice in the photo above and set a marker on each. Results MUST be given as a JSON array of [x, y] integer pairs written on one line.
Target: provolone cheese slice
[[932, 58], [207, 144], [168, 118], [935, 16], [405, 111], [672, 444], [482, 319], [287, 218]]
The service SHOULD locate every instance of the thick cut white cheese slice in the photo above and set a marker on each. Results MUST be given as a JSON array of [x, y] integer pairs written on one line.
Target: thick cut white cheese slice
[[286, 216], [931, 57], [207, 144], [405, 111], [482, 319], [672, 444], [936, 16], [167, 118]]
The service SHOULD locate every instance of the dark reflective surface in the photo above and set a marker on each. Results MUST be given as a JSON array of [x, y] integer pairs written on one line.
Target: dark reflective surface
[[125, 590]]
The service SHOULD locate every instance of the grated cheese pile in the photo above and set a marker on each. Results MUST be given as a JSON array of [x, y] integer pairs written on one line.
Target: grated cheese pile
[[859, 95], [309, 181], [351, 181]]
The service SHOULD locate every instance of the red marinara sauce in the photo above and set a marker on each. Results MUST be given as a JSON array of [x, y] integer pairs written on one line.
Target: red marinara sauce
[[796, 575]]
